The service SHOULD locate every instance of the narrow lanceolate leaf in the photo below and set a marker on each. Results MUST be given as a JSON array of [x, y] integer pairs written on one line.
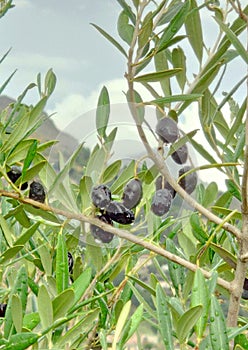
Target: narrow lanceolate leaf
[[157, 76], [145, 31], [161, 64], [174, 26], [131, 325], [45, 307], [200, 296], [102, 112], [179, 61], [125, 29], [7, 233], [164, 318], [137, 104], [62, 271], [177, 98], [21, 289], [233, 39], [111, 171], [62, 303], [81, 284], [17, 313], [110, 39], [30, 156], [121, 323], [194, 29], [187, 321], [21, 341], [218, 330]]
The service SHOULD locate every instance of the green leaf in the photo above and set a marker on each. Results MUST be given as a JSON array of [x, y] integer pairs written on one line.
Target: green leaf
[[7, 233], [27, 234], [50, 82], [144, 285], [210, 194], [161, 63], [164, 318], [17, 312], [21, 341], [202, 84], [197, 230], [176, 271], [233, 189], [121, 323], [179, 61], [218, 330], [125, 29], [137, 104], [145, 30], [20, 288], [45, 256], [233, 39], [62, 303], [75, 332], [111, 171], [62, 271], [95, 164], [194, 29], [187, 321], [125, 175], [128, 10], [85, 187], [45, 307], [30, 321], [181, 142], [157, 76], [29, 158], [228, 257], [176, 98], [3, 86], [175, 24], [131, 325], [102, 112], [110, 39], [81, 284], [10, 253], [200, 296]]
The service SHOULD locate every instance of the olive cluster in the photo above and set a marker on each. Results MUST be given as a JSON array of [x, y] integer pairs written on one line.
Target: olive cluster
[[168, 132], [115, 211], [36, 190]]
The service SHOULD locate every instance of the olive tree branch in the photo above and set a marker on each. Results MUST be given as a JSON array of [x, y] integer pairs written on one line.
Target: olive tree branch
[[242, 261], [152, 247]]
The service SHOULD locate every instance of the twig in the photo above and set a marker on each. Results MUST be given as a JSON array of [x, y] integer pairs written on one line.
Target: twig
[[118, 232]]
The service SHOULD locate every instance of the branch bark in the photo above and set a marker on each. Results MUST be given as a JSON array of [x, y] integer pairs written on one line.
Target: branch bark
[[118, 232]]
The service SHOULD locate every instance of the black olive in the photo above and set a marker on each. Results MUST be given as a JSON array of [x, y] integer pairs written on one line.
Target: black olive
[[37, 192], [3, 308], [167, 130], [188, 182], [132, 193], [119, 213], [245, 289], [101, 196], [161, 202], [160, 185], [99, 233], [14, 173], [70, 262], [180, 156]]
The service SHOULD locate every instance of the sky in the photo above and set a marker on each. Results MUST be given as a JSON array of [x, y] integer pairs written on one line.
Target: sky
[[44, 34]]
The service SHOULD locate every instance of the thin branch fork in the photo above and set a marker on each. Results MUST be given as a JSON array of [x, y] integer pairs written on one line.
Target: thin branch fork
[[118, 232]]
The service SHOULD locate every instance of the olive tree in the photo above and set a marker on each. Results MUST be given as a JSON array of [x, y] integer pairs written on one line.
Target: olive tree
[[133, 252]]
